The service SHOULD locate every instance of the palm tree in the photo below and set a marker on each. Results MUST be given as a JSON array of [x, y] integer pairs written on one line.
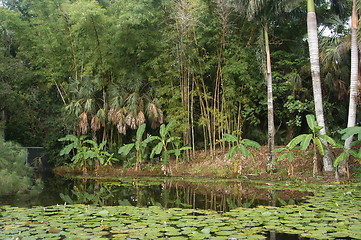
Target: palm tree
[[351, 122], [316, 80], [262, 11]]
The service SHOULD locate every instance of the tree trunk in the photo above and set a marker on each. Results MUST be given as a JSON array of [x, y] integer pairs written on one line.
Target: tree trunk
[[316, 81], [351, 122], [271, 140]]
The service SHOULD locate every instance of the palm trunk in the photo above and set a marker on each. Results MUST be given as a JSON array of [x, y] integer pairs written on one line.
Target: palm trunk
[[353, 80], [316, 80], [271, 140]]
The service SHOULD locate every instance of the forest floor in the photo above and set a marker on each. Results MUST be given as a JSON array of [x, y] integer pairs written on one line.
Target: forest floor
[[204, 165]]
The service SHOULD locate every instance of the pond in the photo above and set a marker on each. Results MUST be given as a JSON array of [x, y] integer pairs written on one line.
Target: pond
[[197, 193], [164, 208]]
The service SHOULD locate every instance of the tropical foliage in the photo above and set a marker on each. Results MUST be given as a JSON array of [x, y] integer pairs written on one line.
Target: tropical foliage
[[241, 146], [104, 68]]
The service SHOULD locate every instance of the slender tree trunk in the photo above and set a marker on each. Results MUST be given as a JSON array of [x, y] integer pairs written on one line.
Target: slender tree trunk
[[316, 80], [351, 122], [271, 132]]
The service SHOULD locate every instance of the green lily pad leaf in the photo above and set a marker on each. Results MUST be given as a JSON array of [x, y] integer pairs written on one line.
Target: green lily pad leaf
[[206, 230]]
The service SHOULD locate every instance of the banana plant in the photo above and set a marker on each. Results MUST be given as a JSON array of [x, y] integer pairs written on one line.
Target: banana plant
[[305, 140], [239, 146], [177, 150], [287, 153], [356, 153], [87, 152], [139, 145], [99, 155], [80, 158], [163, 139]]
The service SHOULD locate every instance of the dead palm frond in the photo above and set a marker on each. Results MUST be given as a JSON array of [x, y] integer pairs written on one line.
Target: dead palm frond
[[83, 123], [95, 123], [131, 121], [113, 116], [140, 118], [122, 128]]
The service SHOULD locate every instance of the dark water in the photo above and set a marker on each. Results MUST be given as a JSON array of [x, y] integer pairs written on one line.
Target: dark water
[[193, 193]]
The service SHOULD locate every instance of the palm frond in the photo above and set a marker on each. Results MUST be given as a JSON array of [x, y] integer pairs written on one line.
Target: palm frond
[[83, 123], [95, 123]]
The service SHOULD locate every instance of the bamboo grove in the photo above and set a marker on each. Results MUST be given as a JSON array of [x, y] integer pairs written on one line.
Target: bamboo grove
[[105, 67]]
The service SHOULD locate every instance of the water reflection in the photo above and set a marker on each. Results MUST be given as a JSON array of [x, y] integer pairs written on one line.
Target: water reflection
[[209, 194], [218, 196]]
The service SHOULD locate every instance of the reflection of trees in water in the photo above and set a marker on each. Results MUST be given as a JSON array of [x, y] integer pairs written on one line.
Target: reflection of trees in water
[[220, 197]]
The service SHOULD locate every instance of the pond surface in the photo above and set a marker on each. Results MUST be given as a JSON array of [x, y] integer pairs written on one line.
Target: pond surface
[[195, 193], [174, 208]]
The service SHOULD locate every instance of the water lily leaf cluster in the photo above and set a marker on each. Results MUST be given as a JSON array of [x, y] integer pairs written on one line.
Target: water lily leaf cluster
[[328, 214]]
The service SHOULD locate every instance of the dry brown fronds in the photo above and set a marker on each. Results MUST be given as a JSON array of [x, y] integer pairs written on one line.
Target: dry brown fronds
[[131, 121], [95, 123], [152, 112], [83, 123], [113, 115], [122, 128], [140, 118]]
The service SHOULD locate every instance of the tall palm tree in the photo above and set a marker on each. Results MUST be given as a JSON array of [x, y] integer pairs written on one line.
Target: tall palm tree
[[351, 122], [316, 79], [262, 11]]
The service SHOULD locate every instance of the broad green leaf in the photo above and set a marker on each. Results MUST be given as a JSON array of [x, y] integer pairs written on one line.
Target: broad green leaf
[[157, 149], [232, 152], [162, 131], [348, 132], [171, 139], [150, 139], [295, 141], [69, 137], [319, 146], [306, 142], [282, 156], [125, 149], [67, 149], [311, 121], [300, 154], [185, 148], [244, 150], [169, 125], [290, 156], [102, 145], [281, 149], [251, 143], [140, 132], [328, 139], [340, 158], [229, 138], [89, 154]]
